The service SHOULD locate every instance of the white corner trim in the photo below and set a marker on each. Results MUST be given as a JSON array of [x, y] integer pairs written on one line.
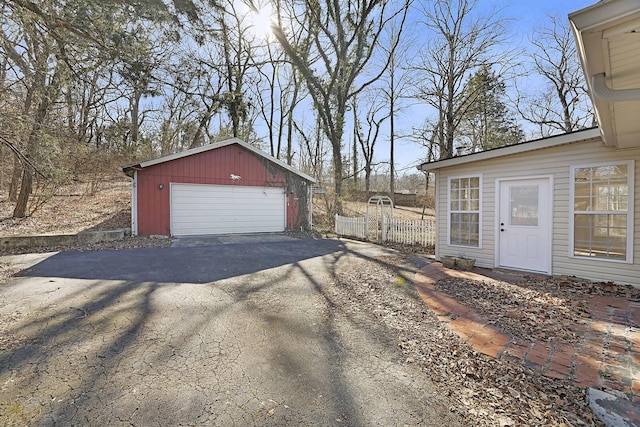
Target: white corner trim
[[134, 204]]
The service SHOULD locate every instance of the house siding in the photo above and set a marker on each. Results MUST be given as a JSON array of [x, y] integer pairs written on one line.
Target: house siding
[[555, 162], [215, 167]]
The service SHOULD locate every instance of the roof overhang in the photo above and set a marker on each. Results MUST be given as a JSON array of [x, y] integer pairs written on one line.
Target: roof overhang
[[510, 150], [608, 40], [130, 169]]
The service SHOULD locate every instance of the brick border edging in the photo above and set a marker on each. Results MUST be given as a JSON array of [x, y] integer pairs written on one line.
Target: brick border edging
[[564, 362]]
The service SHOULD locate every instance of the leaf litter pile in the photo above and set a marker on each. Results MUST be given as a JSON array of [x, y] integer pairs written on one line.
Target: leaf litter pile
[[485, 391], [535, 309]]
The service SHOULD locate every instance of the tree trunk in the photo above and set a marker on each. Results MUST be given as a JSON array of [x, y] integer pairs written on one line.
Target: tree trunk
[[367, 180], [15, 179], [202, 125], [26, 187], [294, 102], [337, 178], [392, 115], [290, 140], [355, 161], [135, 106], [392, 167]]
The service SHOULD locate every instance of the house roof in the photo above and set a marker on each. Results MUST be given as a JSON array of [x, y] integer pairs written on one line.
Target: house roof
[[129, 169], [608, 40], [523, 147]]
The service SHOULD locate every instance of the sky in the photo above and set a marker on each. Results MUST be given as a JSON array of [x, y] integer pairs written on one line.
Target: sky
[[525, 16]]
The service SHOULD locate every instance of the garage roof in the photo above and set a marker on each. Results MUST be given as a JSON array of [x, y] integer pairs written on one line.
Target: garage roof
[[129, 169]]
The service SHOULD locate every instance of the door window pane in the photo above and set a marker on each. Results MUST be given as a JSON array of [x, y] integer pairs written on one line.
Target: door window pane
[[524, 205]]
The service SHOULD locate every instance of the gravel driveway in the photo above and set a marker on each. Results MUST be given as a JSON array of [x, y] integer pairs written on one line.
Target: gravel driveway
[[211, 334]]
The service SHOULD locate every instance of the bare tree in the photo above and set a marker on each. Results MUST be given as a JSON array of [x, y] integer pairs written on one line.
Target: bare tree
[[344, 37], [397, 84], [237, 51], [38, 69], [565, 105], [460, 42], [278, 93], [138, 65], [376, 114]]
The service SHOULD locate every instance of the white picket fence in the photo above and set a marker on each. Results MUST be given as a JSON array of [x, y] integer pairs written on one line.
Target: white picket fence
[[351, 226], [412, 232]]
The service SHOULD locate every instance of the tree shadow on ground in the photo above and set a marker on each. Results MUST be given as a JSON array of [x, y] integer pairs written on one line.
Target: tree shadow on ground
[[124, 332]]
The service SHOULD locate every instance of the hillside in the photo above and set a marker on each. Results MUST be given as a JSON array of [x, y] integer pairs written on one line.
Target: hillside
[[73, 209]]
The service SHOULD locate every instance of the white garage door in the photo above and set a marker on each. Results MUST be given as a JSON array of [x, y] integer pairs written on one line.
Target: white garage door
[[223, 209]]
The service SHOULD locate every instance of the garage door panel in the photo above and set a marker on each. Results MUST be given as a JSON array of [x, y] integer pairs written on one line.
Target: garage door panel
[[219, 209], [253, 206]]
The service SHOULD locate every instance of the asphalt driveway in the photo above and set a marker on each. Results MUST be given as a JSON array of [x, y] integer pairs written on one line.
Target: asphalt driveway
[[205, 332]]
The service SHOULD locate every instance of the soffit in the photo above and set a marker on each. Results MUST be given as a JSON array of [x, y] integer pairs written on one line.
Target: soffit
[[608, 39]]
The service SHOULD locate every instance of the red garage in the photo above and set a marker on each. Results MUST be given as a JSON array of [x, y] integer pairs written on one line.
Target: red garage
[[221, 188]]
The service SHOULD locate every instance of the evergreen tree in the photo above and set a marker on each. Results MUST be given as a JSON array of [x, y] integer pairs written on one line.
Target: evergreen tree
[[487, 122]]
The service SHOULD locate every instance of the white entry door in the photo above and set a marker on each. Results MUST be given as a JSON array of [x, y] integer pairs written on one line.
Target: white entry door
[[525, 224]]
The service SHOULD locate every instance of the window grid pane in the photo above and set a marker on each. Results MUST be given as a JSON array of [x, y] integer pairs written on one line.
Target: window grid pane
[[600, 211], [464, 217]]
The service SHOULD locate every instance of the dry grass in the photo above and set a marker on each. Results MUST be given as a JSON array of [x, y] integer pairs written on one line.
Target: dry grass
[[403, 212], [73, 209], [322, 223]]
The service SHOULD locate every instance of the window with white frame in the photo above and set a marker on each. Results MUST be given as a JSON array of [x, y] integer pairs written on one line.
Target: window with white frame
[[602, 211], [464, 211]]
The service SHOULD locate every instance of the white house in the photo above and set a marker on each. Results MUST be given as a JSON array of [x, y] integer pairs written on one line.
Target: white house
[[568, 204]]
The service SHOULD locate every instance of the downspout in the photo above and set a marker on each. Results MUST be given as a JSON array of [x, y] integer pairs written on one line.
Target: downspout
[[602, 91], [436, 212]]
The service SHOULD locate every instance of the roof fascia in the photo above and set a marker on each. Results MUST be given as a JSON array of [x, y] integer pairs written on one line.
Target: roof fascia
[[603, 14], [539, 144]]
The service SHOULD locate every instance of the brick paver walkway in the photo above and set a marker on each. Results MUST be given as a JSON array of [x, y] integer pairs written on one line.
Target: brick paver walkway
[[607, 355]]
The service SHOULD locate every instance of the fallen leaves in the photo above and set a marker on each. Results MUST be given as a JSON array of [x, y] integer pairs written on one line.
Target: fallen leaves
[[127, 243], [484, 391], [9, 340], [537, 309]]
